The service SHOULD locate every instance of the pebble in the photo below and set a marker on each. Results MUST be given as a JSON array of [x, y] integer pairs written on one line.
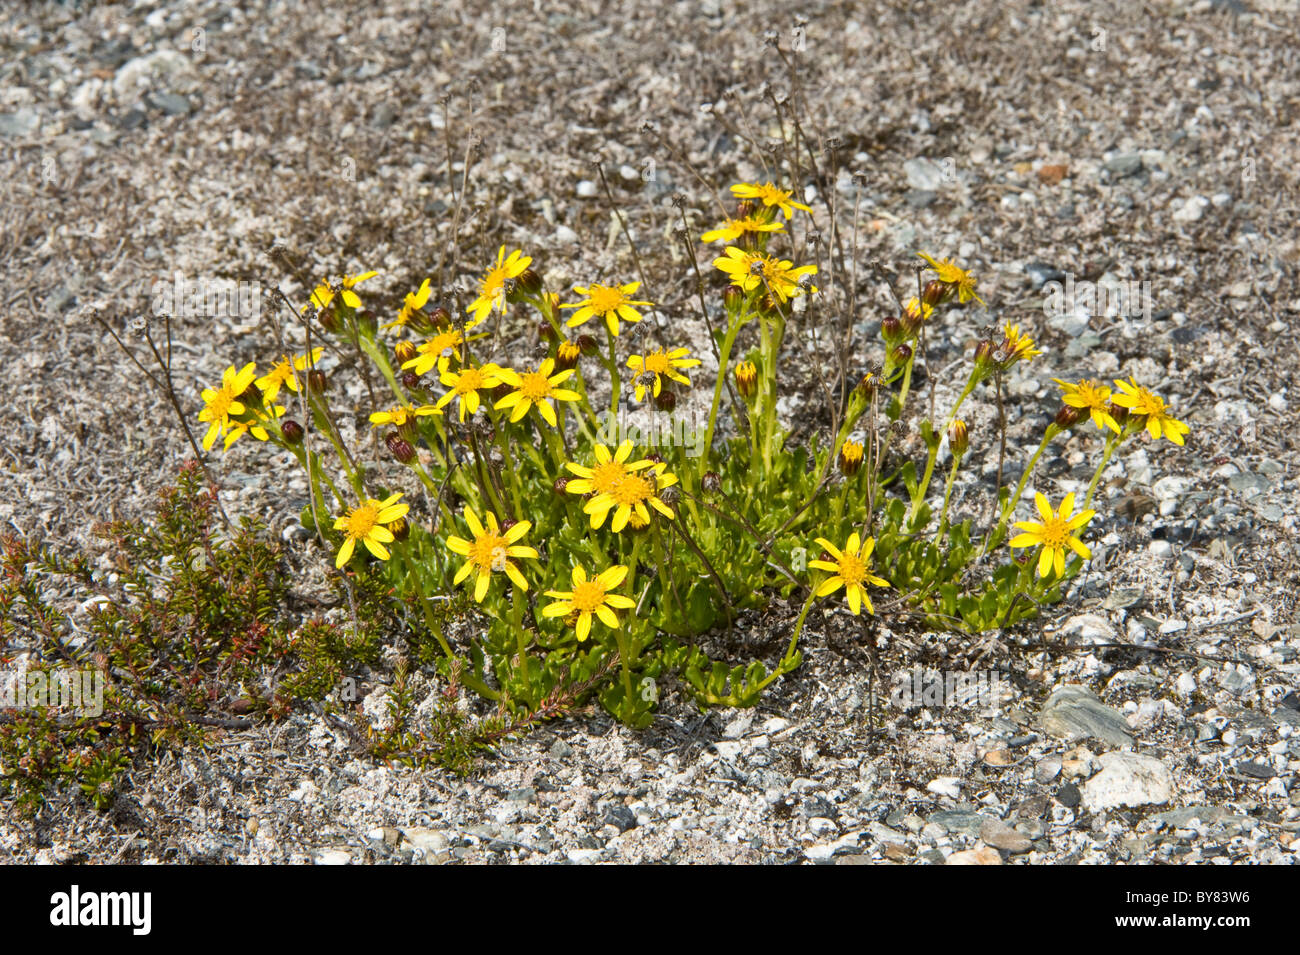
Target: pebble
[[565, 235], [945, 786], [333, 857], [1074, 712], [1124, 164], [981, 856], [1127, 779], [20, 123], [1192, 209], [1001, 836], [923, 175], [587, 189]]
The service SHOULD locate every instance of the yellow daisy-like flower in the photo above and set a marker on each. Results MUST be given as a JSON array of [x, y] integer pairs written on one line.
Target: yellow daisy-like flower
[[659, 363], [611, 302], [438, 350], [350, 298], [850, 569], [492, 287], [1055, 534], [411, 304], [321, 297], [610, 469], [221, 405], [916, 310], [747, 378], [590, 597], [402, 416], [749, 270], [240, 428], [490, 551], [283, 375], [628, 496], [769, 195], [1143, 403], [950, 273], [1016, 346], [1091, 396], [733, 229], [367, 523], [536, 388], [466, 385]]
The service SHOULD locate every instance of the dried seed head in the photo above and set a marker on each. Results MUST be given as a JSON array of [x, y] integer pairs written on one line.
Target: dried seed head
[[670, 495], [560, 486], [711, 482]]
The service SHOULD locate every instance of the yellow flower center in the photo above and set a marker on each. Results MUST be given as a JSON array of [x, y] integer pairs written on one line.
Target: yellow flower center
[[361, 521], [489, 552], [607, 476], [1148, 404], [493, 282], [588, 595], [656, 362], [220, 405], [471, 379], [1054, 534], [633, 489], [443, 341], [534, 386], [853, 569], [604, 298]]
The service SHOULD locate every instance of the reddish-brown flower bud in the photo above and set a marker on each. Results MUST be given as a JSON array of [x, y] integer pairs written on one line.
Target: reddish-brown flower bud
[[329, 319], [529, 282], [412, 382], [291, 431], [399, 447], [901, 354], [587, 344], [316, 382], [1068, 416], [546, 331], [936, 292], [440, 317], [404, 352], [891, 329], [666, 400], [733, 296]]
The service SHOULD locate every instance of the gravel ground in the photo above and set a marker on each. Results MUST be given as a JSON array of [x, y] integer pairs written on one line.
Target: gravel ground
[[1111, 142]]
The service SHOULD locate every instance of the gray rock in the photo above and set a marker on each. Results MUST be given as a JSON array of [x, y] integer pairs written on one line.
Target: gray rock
[[1128, 779], [1122, 597], [923, 175], [20, 123], [1124, 164], [1210, 815], [1040, 273], [173, 104], [920, 198], [1001, 836], [1074, 712], [1247, 484], [561, 750], [621, 818], [525, 794], [959, 821]]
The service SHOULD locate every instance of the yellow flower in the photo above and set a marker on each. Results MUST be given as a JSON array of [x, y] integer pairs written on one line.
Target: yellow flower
[[366, 523], [850, 461], [952, 274], [536, 388], [400, 416], [490, 551], [591, 597], [851, 569], [350, 298], [769, 195], [746, 378], [1016, 346], [321, 297], [1143, 403], [917, 311], [628, 496], [411, 304], [611, 302], [751, 270], [492, 287], [436, 351], [610, 469], [466, 385], [1092, 396], [660, 362], [240, 428], [283, 375], [733, 229], [221, 405], [1055, 534]]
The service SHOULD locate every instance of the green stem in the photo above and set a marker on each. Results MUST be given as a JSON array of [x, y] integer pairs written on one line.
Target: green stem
[[723, 358], [996, 537], [1113, 441]]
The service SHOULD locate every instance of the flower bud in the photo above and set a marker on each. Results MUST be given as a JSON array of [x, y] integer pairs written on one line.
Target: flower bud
[[1068, 416], [529, 282], [901, 354], [891, 329], [984, 351], [1119, 413], [712, 481], [850, 458], [867, 386], [367, 322], [747, 378], [329, 319], [404, 352], [732, 297], [655, 458], [666, 400], [587, 344], [546, 331], [440, 318], [316, 382], [411, 381], [566, 356], [936, 292], [400, 529], [399, 447], [958, 438], [507, 523], [745, 208], [291, 431]]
